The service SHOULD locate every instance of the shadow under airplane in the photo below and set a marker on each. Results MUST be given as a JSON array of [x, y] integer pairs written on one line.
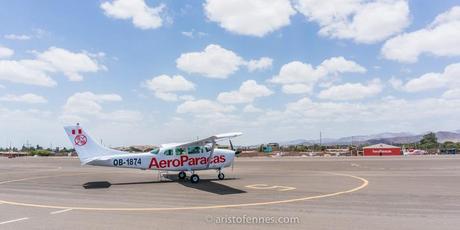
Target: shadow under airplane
[[206, 185]]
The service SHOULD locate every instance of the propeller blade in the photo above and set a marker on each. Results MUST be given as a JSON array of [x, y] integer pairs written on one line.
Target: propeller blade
[[231, 145], [237, 151]]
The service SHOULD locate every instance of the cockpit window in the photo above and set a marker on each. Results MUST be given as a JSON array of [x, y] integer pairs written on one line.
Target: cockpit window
[[155, 151]]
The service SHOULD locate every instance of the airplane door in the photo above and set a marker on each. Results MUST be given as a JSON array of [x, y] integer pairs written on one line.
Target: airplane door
[[198, 156]]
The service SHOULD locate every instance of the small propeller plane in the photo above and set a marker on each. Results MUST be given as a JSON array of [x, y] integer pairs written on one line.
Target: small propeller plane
[[182, 157]]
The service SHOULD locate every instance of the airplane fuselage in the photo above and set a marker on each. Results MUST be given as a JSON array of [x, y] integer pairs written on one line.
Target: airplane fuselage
[[219, 159]]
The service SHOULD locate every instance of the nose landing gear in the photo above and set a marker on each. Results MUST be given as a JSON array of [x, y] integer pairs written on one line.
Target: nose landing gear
[[221, 176]]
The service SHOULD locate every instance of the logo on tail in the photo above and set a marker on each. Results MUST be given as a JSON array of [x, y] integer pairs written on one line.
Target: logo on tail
[[80, 140]]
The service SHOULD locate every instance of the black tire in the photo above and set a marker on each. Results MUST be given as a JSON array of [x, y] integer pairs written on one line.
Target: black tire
[[182, 175], [221, 176], [194, 179]]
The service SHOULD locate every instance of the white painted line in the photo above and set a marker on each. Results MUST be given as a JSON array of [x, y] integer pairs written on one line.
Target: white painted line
[[15, 220], [60, 211]]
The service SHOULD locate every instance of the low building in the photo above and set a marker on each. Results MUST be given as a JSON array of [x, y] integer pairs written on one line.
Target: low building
[[381, 150], [13, 154]]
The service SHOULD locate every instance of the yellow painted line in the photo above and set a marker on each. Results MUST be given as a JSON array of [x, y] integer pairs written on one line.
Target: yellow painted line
[[279, 188], [38, 177], [364, 184], [60, 211], [15, 220]]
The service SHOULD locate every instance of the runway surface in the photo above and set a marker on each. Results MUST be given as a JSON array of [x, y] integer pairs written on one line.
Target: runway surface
[[417, 192]]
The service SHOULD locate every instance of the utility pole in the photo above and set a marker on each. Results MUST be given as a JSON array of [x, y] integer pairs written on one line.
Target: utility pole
[[320, 141]]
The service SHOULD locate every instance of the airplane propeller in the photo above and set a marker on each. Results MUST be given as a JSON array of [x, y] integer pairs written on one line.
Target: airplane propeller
[[237, 152]]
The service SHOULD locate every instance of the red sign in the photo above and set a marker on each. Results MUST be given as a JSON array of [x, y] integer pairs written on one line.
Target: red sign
[[382, 152]]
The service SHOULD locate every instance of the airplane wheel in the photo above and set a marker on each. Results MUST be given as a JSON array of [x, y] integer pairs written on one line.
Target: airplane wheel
[[221, 176], [182, 175], [195, 178]]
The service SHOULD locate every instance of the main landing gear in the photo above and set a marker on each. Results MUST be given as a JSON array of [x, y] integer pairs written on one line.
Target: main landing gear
[[182, 175], [194, 178]]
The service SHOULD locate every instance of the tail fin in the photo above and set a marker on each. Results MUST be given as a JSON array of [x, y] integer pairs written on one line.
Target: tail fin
[[85, 146]]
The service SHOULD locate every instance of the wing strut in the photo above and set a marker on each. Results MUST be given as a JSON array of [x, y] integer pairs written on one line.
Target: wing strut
[[212, 153]]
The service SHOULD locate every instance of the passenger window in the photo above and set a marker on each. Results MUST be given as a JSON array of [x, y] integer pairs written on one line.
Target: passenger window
[[180, 151], [168, 152], [194, 150]]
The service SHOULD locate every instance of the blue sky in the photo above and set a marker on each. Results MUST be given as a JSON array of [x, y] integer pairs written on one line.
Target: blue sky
[[149, 72]]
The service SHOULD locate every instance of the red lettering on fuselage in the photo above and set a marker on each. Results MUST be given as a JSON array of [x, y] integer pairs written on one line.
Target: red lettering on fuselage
[[185, 160]]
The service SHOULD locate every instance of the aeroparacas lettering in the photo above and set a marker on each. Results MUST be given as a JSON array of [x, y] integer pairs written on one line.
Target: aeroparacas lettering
[[185, 160]]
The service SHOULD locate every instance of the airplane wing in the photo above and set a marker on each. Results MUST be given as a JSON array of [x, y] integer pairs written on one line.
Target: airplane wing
[[211, 139]]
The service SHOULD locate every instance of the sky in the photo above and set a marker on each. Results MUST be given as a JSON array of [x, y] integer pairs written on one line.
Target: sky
[[150, 72]]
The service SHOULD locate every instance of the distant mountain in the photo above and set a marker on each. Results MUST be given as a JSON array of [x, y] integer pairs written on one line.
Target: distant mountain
[[357, 139], [296, 142], [388, 138], [448, 136]]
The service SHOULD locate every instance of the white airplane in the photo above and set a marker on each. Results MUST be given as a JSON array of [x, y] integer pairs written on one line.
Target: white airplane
[[182, 157]]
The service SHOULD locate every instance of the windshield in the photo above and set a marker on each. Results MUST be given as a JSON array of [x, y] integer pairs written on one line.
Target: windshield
[[155, 151]]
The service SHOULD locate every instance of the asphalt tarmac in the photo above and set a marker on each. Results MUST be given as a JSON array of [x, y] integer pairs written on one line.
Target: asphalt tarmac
[[413, 192]]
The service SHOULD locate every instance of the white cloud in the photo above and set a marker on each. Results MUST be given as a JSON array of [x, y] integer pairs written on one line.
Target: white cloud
[[440, 38], [260, 64], [5, 52], [54, 60], [193, 34], [252, 109], [69, 63], [21, 37], [451, 94], [31, 72], [142, 16], [448, 79], [203, 107], [217, 62], [87, 105], [297, 72], [25, 98], [425, 82], [250, 17], [344, 118], [396, 83], [164, 86], [297, 88], [360, 20], [187, 34], [248, 92], [297, 77], [336, 65], [352, 91], [213, 62]]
